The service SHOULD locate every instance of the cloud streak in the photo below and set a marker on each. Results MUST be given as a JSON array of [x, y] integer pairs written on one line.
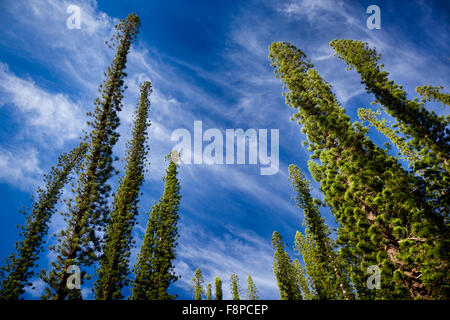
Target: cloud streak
[[20, 168], [47, 114]]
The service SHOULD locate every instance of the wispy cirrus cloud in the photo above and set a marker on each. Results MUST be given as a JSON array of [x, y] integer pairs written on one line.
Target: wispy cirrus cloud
[[20, 168], [45, 113]]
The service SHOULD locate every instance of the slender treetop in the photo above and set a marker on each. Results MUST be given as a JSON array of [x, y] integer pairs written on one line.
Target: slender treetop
[[154, 270], [208, 291], [218, 288], [114, 264], [235, 287], [197, 284], [252, 292]]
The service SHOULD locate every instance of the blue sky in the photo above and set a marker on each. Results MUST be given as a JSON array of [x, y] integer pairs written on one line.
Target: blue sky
[[207, 61]]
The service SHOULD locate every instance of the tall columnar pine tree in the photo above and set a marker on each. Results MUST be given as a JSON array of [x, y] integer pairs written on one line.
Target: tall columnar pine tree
[[252, 292], [384, 217], [88, 212], [154, 268], [304, 282], [284, 271], [19, 266], [208, 291], [197, 285], [235, 287], [426, 132], [333, 282], [218, 289], [114, 264]]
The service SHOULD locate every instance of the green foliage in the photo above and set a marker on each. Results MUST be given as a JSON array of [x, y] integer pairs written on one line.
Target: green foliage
[[113, 269], [331, 282], [318, 277], [284, 271], [304, 282], [197, 284], [235, 287], [218, 288], [154, 268], [383, 127], [424, 126], [19, 265], [426, 133], [429, 93], [252, 292], [364, 186], [208, 291], [88, 212]]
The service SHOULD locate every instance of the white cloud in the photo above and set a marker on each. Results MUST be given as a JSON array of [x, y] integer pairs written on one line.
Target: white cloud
[[47, 114], [20, 168]]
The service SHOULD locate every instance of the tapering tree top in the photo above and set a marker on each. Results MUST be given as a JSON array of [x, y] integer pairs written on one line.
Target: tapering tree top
[[286, 53], [174, 156], [128, 28], [301, 186], [114, 265], [146, 88], [277, 240]]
